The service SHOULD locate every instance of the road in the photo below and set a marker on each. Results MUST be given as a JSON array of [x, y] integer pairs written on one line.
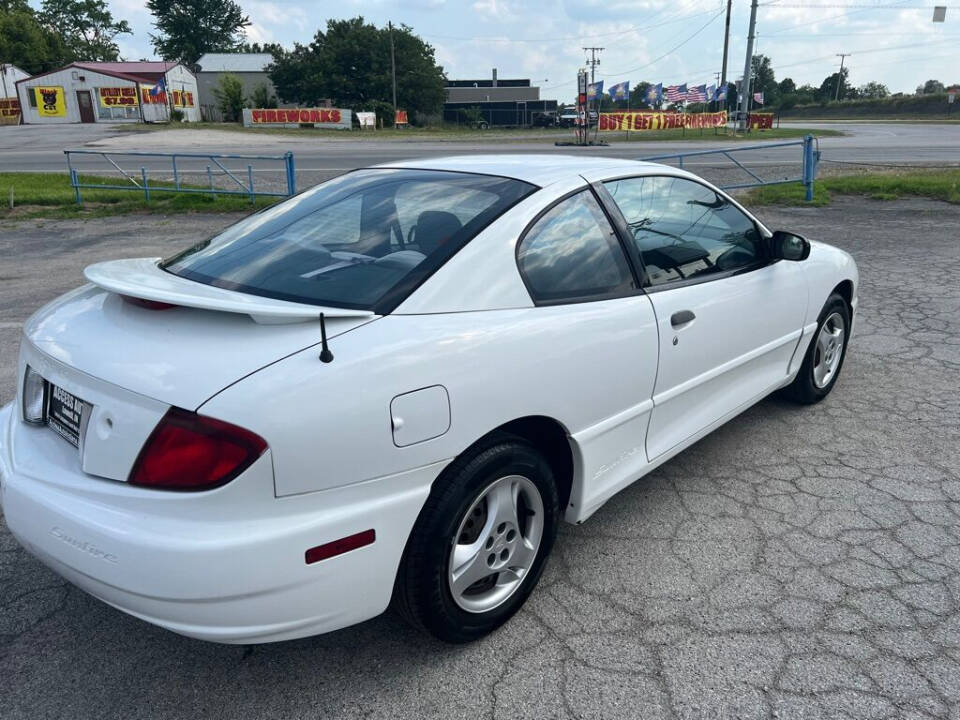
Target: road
[[796, 563], [40, 148]]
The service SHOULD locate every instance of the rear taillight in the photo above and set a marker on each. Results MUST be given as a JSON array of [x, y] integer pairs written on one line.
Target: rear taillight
[[34, 396], [187, 451]]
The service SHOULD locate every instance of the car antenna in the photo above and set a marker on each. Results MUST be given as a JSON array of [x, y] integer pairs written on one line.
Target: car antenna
[[325, 354]]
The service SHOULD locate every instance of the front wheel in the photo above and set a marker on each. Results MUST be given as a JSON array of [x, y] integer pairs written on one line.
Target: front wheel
[[480, 544], [824, 359]]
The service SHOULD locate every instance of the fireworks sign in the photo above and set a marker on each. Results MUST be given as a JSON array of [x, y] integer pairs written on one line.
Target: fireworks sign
[[118, 96], [317, 117]]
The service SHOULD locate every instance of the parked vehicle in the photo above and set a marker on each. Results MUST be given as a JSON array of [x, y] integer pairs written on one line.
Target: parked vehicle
[[544, 119], [395, 385]]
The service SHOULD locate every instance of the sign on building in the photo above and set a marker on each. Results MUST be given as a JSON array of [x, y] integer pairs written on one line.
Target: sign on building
[[294, 117], [182, 98], [118, 96], [51, 102], [9, 111]]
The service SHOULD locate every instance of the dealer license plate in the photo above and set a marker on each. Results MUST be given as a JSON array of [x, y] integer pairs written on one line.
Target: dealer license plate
[[65, 414]]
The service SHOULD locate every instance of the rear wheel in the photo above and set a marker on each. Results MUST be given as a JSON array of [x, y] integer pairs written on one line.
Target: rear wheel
[[824, 360], [480, 544]]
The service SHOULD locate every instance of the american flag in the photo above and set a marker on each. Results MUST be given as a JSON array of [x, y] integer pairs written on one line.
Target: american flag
[[677, 93], [698, 93], [758, 98]]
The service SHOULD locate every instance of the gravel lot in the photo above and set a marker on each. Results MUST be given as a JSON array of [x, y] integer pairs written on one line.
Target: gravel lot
[[797, 563]]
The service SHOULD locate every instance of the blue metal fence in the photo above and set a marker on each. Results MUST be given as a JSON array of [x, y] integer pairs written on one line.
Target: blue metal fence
[[811, 156], [141, 182]]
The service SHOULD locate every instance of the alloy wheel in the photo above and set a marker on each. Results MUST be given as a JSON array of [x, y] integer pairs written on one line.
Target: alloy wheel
[[496, 544], [828, 351]]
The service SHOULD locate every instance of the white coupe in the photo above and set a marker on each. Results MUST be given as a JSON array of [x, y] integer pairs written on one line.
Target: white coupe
[[395, 385]]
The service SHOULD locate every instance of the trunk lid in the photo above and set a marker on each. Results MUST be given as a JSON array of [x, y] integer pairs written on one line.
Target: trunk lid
[[182, 355]]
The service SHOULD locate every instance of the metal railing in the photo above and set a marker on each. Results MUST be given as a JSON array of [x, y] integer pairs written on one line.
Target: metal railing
[[140, 182], [811, 156]]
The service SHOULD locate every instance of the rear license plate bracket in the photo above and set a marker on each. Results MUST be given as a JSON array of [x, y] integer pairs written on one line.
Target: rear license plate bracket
[[66, 414]]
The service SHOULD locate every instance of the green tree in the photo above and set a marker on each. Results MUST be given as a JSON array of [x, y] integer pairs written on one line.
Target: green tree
[[873, 90], [930, 87], [828, 88], [764, 80], [350, 64], [787, 86], [274, 49], [638, 94], [186, 29], [229, 94], [86, 27], [262, 97], [28, 44]]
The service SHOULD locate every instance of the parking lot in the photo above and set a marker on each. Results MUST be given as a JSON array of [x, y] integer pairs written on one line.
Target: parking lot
[[797, 563]]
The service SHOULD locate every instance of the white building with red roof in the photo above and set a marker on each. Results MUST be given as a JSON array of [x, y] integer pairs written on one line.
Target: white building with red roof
[[110, 92]]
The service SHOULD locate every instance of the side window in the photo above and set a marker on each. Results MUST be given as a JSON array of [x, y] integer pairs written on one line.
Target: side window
[[683, 229], [572, 253]]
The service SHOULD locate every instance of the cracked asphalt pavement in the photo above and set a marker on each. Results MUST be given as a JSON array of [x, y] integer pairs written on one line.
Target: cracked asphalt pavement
[[797, 563]]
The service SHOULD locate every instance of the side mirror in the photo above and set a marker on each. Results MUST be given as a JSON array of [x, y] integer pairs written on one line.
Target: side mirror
[[789, 246]]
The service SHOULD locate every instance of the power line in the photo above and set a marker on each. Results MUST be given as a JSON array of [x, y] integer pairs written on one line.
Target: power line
[[668, 52], [822, 6], [554, 39], [817, 21]]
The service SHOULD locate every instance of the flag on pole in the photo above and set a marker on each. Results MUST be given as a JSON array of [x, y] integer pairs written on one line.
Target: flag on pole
[[654, 94], [159, 88], [711, 93], [677, 93], [721, 93], [758, 98], [620, 91], [594, 90], [698, 93]]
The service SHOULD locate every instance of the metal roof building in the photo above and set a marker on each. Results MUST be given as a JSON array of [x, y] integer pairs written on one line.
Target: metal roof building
[[112, 92], [249, 68], [234, 62]]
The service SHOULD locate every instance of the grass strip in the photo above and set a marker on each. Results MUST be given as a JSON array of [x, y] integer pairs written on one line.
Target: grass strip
[[934, 184], [50, 195]]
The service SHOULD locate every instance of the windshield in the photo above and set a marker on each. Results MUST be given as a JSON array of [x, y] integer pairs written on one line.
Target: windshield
[[363, 240]]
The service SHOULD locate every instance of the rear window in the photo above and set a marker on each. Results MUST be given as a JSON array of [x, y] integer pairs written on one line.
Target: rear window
[[364, 240]]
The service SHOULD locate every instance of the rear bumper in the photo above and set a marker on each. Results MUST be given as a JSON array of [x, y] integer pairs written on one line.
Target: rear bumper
[[227, 565]]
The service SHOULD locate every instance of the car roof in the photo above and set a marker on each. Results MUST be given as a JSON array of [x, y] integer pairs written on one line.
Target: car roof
[[537, 169]]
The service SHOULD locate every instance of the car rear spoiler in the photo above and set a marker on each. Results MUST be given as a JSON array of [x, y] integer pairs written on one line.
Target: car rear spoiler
[[144, 279]]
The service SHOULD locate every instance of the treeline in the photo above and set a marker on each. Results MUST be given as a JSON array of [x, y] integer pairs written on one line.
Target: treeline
[[348, 63]]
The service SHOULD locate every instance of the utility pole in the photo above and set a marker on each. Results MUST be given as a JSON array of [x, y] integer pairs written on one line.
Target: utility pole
[[393, 68], [842, 56], [726, 45], [748, 67], [593, 61]]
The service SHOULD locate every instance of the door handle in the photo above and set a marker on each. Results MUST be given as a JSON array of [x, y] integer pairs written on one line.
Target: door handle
[[681, 318]]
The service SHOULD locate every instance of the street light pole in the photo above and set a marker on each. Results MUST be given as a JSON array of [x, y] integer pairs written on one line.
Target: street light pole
[[842, 56], [393, 68], [726, 45], [747, 67]]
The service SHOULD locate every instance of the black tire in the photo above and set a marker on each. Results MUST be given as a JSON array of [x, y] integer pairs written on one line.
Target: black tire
[[422, 593], [805, 389]]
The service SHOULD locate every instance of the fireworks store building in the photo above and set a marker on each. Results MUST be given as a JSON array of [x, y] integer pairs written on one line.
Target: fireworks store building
[[110, 92]]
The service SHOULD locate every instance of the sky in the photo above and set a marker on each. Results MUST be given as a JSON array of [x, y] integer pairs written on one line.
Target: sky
[[671, 41]]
